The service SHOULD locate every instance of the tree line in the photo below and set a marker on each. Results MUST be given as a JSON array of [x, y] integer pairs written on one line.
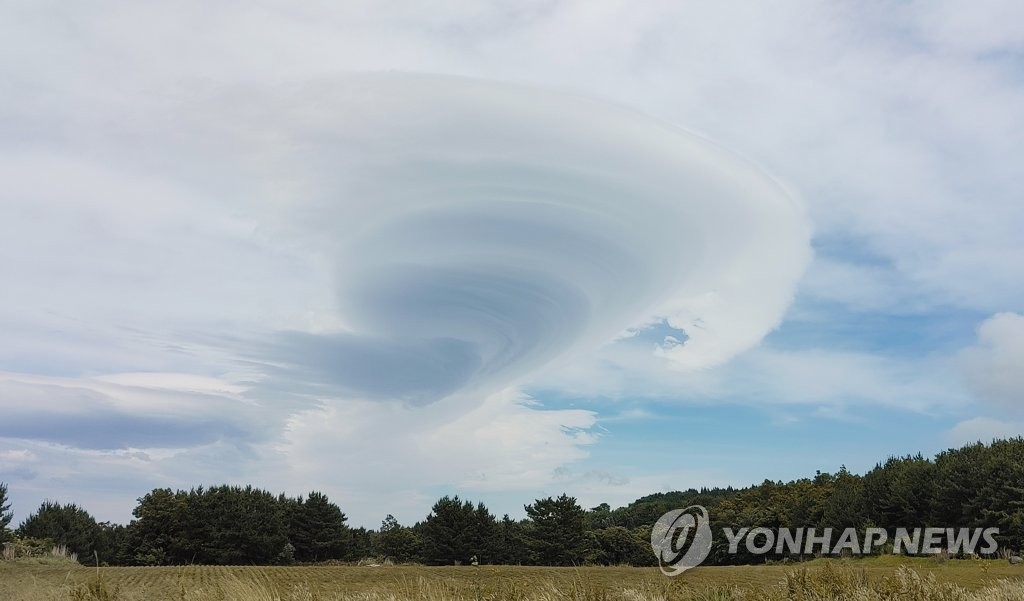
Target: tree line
[[976, 486]]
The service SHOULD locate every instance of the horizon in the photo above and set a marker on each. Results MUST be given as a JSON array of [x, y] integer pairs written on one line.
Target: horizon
[[391, 253], [698, 490]]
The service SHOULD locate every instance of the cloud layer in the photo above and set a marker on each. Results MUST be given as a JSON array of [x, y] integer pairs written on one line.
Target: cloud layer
[[201, 190], [447, 237], [480, 231]]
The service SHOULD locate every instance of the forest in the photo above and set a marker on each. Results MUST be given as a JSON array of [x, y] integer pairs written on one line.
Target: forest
[[979, 485]]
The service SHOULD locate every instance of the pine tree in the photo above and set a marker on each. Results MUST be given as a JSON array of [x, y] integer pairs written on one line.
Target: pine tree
[[6, 515], [317, 528], [456, 531], [397, 542], [616, 545], [64, 525], [156, 535], [557, 531], [512, 546]]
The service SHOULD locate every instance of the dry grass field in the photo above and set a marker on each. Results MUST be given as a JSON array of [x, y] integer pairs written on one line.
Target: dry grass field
[[870, 579]]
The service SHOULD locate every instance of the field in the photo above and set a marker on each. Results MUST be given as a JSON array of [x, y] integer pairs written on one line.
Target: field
[[868, 579]]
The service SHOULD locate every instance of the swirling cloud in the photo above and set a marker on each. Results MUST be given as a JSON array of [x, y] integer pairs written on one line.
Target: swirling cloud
[[360, 261], [478, 231]]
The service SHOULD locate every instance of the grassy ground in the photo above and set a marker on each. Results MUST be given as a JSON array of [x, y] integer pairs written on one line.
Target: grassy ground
[[38, 580]]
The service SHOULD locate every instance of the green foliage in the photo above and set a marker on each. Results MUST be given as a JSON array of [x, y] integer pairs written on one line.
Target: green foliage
[[846, 505], [158, 529], [287, 555], [397, 543], [616, 545], [358, 543], [231, 525], [37, 549], [646, 510], [65, 525], [6, 515], [456, 531], [902, 492], [113, 546], [316, 528], [511, 542], [557, 531], [979, 485]]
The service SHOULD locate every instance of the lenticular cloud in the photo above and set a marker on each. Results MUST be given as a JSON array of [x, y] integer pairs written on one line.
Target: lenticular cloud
[[478, 232]]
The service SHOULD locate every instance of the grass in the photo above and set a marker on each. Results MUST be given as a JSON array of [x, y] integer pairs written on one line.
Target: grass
[[874, 579]]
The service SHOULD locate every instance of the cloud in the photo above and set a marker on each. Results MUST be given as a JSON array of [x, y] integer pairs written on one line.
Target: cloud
[[468, 234], [503, 443], [129, 410], [480, 231], [768, 377], [994, 365], [862, 286], [359, 452], [984, 429], [213, 200], [897, 121], [992, 371], [492, 228], [108, 481]]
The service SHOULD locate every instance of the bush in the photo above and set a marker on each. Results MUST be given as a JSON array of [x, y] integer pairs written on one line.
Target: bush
[[21, 548]]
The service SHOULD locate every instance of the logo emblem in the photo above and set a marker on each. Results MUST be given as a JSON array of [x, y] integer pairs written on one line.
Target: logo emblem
[[681, 539]]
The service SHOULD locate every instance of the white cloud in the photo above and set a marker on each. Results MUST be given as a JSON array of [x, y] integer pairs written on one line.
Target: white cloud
[[836, 380], [897, 121], [994, 366], [107, 482], [131, 410], [359, 452], [166, 175], [389, 451], [984, 429], [863, 287], [279, 282]]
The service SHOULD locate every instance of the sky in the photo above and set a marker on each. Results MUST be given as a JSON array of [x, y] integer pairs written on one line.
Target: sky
[[502, 249]]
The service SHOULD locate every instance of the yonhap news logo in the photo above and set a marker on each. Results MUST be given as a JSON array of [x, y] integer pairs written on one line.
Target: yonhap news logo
[[682, 539]]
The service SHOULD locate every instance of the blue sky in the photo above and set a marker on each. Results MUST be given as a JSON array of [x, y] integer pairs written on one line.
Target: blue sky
[[502, 249]]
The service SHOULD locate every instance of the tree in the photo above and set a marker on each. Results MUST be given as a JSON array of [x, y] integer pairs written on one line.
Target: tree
[[511, 543], [316, 528], [397, 542], [616, 545], [359, 544], [230, 525], [998, 491], [599, 517], [955, 500], [157, 533], [456, 531], [899, 493], [113, 546], [646, 510], [6, 515], [557, 531], [845, 507], [224, 525], [65, 525]]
